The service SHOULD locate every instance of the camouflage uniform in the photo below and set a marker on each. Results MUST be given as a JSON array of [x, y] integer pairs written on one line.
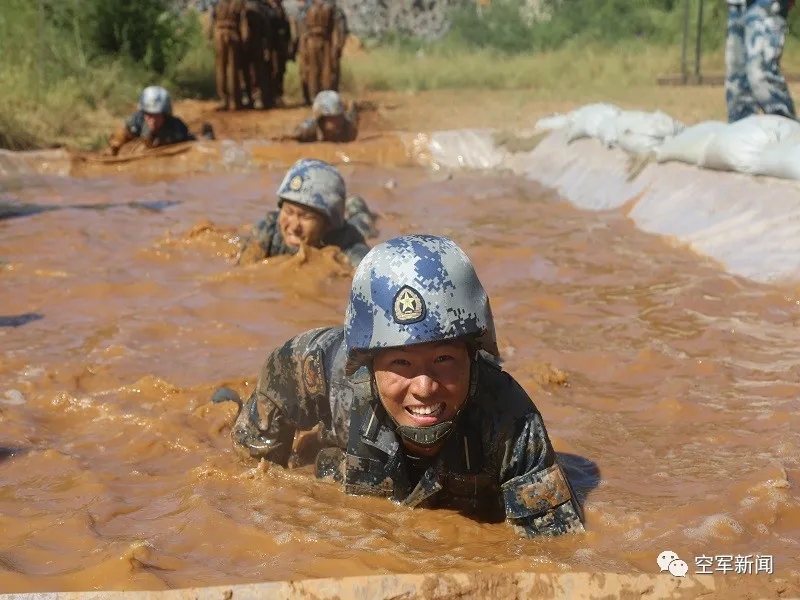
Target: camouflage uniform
[[321, 188], [328, 103], [340, 32], [280, 47], [173, 131], [255, 34], [226, 25], [756, 34], [496, 461], [358, 214], [316, 47]]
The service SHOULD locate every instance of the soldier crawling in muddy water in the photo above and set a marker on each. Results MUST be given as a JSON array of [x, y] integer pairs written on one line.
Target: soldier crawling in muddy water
[[314, 209], [331, 121], [154, 124], [412, 403]]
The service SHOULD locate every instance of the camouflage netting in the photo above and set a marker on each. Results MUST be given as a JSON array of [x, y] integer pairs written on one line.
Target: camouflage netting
[[427, 19]]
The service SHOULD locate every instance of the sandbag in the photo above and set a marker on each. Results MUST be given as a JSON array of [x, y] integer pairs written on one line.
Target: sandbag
[[739, 146], [551, 122], [781, 160], [637, 131], [690, 145], [586, 121]]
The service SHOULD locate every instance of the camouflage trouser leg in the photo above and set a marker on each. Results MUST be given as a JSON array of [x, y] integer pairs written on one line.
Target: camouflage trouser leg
[[752, 56], [765, 33], [359, 216], [738, 96]]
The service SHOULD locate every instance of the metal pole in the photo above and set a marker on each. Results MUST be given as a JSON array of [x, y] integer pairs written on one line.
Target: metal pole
[[684, 70], [699, 46], [40, 67]]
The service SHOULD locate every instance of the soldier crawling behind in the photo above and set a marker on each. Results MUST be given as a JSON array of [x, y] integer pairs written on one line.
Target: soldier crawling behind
[[331, 121], [154, 123], [313, 208], [412, 406]]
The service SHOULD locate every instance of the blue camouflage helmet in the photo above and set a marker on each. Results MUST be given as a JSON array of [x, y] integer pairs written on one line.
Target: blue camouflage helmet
[[155, 100], [327, 104], [411, 290], [317, 185]]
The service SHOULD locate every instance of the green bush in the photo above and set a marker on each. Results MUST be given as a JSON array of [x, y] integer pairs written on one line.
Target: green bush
[[606, 22], [60, 60]]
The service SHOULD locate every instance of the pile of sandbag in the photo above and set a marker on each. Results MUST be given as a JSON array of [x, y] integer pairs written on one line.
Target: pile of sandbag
[[757, 145], [634, 131]]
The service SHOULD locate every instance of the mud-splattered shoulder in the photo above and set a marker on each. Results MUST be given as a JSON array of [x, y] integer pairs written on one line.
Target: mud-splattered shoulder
[[265, 240], [306, 131], [135, 123], [296, 376]]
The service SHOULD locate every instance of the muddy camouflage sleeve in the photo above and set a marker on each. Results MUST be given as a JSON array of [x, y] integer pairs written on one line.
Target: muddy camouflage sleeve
[[359, 216], [537, 495], [131, 129], [306, 131], [135, 123], [258, 245], [291, 394]]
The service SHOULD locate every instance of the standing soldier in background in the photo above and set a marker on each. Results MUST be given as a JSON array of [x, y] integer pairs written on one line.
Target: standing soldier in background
[[756, 34], [255, 50], [279, 46], [339, 38], [316, 24], [226, 24]]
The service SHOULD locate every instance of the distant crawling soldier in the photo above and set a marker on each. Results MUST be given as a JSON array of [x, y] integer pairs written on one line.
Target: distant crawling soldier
[[313, 209], [412, 404], [154, 123], [331, 121]]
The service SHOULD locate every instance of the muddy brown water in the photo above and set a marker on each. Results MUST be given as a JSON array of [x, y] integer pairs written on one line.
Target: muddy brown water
[[678, 421]]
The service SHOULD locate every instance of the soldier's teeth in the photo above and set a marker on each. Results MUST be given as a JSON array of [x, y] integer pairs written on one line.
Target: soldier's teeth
[[427, 411]]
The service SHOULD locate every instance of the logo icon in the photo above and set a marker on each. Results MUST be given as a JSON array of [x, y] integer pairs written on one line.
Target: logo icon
[[296, 183], [408, 306], [312, 375], [669, 561]]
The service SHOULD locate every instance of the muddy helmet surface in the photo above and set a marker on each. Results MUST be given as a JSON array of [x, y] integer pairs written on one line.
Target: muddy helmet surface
[[328, 104], [317, 185], [155, 100], [411, 290]]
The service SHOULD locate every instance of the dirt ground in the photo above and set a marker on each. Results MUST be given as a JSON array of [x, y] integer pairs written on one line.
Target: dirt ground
[[453, 109]]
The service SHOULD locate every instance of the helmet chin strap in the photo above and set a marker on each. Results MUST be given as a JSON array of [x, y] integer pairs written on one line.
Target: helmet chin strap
[[426, 437], [433, 435]]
